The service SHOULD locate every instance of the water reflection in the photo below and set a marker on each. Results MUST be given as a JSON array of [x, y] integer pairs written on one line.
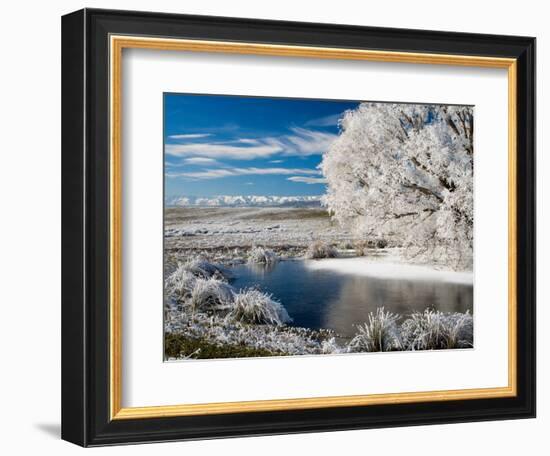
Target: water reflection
[[325, 299], [261, 269], [360, 295]]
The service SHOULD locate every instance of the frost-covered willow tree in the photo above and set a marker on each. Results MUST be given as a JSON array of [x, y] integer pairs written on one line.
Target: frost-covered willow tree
[[405, 173]]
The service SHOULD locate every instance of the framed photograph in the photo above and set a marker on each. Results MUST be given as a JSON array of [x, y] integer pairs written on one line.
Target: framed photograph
[[278, 227]]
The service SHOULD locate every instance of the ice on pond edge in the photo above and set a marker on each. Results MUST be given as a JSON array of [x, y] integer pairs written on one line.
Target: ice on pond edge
[[390, 270]]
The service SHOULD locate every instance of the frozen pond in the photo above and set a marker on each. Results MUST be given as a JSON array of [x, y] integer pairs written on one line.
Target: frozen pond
[[338, 294]]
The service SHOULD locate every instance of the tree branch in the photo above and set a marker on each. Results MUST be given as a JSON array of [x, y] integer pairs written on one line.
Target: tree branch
[[446, 184], [408, 214], [424, 190]]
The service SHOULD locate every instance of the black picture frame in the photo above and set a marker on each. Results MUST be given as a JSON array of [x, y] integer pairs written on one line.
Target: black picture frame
[[85, 228]]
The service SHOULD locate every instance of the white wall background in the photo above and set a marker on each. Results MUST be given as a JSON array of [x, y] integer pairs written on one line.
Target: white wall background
[[30, 192]]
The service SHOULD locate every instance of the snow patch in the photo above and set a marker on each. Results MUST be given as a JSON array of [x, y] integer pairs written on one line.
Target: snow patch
[[390, 270]]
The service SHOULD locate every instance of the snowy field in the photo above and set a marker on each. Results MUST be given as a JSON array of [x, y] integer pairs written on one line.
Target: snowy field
[[227, 234]]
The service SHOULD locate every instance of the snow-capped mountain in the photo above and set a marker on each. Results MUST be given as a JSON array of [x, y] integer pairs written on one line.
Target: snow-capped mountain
[[245, 201]]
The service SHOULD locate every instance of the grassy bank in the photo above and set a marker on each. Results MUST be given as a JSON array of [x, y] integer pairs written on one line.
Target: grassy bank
[[177, 346]]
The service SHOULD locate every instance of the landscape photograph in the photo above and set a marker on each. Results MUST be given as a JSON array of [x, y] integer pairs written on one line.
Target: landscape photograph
[[316, 227]]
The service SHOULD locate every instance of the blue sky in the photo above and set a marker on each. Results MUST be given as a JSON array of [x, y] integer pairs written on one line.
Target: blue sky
[[232, 145]]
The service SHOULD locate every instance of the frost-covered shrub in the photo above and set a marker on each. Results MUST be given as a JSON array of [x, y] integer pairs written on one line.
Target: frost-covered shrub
[[210, 294], [433, 330], [380, 333], [259, 255], [320, 249], [253, 306]]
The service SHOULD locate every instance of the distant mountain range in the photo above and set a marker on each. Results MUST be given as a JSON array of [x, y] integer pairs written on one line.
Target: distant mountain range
[[244, 201]]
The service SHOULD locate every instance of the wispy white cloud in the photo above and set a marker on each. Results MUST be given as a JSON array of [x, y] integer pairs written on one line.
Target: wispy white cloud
[[200, 161], [250, 171], [301, 142], [225, 150], [327, 121], [276, 161], [248, 141], [307, 180], [190, 136], [310, 142]]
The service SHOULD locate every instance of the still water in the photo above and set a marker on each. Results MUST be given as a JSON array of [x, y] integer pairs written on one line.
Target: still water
[[321, 298]]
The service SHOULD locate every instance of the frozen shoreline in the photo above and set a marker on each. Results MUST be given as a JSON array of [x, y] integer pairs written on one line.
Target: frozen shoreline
[[389, 268]]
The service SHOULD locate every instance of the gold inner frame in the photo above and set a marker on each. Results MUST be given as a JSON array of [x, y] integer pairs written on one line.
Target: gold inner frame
[[117, 44]]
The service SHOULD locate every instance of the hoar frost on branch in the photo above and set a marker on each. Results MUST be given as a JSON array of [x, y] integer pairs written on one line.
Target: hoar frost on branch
[[404, 173]]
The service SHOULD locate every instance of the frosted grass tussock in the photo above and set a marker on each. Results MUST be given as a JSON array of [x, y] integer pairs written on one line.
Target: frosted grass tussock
[[199, 267], [380, 333], [365, 247], [330, 347], [319, 249], [210, 294], [253, 306], [434, 330], [180, 284], [260, 255], [346, 245]]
